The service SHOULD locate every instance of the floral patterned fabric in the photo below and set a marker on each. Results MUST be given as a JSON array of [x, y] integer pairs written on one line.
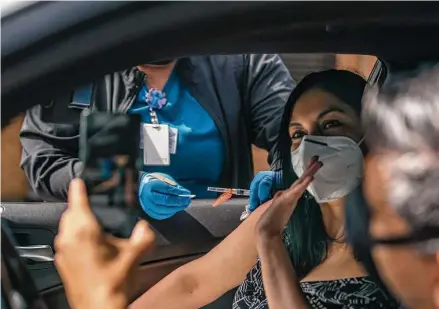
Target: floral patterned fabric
[[349, 293]]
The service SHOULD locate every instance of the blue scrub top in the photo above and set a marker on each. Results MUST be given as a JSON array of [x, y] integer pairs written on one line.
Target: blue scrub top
[[199, 158]]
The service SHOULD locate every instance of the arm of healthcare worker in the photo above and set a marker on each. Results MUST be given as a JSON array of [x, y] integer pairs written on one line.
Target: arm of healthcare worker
[[50, 151], [267, 86], [49, 155], [202, 281]]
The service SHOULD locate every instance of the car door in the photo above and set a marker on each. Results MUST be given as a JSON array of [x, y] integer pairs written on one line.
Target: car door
[[181, 239]]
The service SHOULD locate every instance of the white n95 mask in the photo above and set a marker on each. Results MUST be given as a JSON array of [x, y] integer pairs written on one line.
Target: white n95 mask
[[342, 168]]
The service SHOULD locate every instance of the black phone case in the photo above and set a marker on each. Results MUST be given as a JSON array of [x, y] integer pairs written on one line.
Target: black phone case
[[109, 148]]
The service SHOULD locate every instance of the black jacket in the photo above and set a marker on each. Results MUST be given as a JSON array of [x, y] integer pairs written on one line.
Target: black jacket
[[244, 95]]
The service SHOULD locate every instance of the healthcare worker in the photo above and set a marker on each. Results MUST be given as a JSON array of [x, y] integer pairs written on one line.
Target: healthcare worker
[[211, 109]]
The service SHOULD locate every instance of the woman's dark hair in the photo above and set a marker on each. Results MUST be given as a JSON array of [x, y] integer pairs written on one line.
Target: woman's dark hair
[[305, 236]]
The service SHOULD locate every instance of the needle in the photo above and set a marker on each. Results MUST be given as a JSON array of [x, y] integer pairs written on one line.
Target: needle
[[242, 192]]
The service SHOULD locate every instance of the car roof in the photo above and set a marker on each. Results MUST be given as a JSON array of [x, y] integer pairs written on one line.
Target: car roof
[[115, 35], [9, 7]]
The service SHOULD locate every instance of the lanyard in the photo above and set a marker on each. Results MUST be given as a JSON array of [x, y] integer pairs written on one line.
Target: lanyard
[[154, 118], [155, 99]]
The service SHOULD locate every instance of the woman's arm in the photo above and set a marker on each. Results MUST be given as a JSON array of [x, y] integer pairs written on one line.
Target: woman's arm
[[278, 275], [280, 283], [202, 281]]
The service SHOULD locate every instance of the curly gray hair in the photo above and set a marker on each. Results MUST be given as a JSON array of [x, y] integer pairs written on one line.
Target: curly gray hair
[[403, 118]]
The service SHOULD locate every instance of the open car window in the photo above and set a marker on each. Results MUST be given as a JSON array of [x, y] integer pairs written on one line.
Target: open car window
[[298, 65]]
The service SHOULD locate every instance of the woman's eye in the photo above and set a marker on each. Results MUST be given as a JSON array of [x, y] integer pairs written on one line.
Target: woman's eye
[[297, 134], [330, 124]]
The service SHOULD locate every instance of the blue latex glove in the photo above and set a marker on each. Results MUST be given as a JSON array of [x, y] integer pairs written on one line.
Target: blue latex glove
[[160, 200], [261, 188]]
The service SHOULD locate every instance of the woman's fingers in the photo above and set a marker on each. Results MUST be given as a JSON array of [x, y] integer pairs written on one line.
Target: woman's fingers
[[300, 185], [309, 172], [313, 160], [296, 191]]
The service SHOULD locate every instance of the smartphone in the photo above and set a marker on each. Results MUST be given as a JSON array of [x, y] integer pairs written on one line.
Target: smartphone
[[109, 149]]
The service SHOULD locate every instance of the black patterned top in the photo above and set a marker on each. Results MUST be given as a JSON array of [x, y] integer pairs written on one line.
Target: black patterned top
[[349, 293]]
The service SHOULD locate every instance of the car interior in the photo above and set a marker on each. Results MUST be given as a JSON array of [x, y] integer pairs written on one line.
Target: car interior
[[51, 47]]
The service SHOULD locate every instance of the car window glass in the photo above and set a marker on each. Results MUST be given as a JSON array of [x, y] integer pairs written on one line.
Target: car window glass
[[298, 65]]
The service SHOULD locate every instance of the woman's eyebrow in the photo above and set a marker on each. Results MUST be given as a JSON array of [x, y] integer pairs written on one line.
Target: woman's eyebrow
[[295, 124], [330, 110], [321, 115]]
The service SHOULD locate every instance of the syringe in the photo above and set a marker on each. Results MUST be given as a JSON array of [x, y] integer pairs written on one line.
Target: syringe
[[242, 192]]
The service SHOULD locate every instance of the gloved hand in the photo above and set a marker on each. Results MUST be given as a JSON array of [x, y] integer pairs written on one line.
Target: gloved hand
[[261, 188], [160, 200]]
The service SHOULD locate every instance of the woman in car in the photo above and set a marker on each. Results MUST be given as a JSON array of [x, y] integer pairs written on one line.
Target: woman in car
[[322, 118]]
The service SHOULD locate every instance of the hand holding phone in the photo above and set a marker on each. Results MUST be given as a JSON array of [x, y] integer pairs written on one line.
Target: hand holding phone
[[109, 149]]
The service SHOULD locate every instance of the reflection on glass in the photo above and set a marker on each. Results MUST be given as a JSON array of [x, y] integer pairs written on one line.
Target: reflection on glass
[[112, 181]]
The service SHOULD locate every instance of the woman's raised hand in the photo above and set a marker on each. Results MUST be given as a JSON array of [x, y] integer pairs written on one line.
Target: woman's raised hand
[[274, 219]]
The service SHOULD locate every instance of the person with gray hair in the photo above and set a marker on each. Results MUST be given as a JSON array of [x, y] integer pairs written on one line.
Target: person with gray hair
[[400, 191]]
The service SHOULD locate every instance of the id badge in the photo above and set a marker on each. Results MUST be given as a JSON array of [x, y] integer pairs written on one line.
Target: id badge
[[141, 137], [156, 145], [173, 140]]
